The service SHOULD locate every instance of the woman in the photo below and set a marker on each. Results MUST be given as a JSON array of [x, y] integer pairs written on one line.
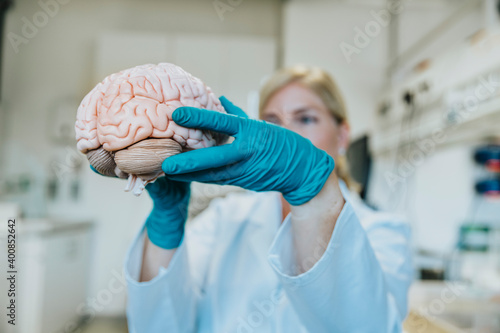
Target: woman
[[297, 253]]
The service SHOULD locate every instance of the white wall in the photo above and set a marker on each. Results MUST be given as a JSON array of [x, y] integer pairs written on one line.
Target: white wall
[[313, 33], [57, 68]]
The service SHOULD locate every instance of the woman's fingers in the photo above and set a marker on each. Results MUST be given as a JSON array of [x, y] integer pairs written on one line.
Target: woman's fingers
[[201, 159], [231, 108], [206, 119], [224, 175]]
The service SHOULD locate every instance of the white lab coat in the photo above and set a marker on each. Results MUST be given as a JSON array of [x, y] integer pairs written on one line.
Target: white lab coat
[[232, 273]]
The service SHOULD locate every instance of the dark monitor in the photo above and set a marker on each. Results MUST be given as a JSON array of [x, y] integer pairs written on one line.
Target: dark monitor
[[360, 160]]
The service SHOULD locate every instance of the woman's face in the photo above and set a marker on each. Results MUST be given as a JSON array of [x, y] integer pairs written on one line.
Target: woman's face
[[299, 109]]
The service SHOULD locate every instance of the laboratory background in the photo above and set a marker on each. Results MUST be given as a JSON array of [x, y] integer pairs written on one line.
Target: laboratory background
[[421, 80]]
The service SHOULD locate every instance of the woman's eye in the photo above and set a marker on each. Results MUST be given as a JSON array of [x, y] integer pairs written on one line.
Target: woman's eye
[[307, 119]]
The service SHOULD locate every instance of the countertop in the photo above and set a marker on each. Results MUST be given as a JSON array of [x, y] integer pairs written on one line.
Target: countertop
[[446, 306]]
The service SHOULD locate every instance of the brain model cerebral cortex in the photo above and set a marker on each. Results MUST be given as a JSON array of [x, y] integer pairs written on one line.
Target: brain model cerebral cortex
[[124, 125]]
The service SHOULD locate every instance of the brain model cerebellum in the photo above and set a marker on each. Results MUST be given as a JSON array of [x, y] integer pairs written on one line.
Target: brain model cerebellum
[[125, 127]]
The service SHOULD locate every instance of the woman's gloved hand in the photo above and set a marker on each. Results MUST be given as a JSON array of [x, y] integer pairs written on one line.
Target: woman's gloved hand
[[165, 223], [263, 156]]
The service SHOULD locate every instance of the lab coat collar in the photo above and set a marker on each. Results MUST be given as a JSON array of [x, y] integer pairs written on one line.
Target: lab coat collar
[[345, 191], [352, 198]]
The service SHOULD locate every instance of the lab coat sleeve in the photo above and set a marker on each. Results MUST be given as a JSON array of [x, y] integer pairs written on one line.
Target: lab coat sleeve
[[360, 282], [168, 302]]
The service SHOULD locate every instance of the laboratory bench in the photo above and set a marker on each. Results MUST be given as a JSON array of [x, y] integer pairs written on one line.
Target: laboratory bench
[[451, 307]]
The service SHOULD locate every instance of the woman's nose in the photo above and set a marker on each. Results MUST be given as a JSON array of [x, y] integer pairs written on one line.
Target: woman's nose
[[288, 125], [293, 127], [287, 122]]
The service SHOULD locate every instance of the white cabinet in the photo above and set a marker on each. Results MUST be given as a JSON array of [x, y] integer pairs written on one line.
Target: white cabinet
[[52, 275]]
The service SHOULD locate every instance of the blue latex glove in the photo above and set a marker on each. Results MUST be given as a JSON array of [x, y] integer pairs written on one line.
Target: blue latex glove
[[263, 156], [165, 223]]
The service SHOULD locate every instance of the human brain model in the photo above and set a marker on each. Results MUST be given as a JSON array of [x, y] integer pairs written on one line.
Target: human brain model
[[125, 127]]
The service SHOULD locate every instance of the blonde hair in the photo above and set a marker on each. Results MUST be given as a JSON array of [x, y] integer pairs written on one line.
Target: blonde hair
[[322, 84]]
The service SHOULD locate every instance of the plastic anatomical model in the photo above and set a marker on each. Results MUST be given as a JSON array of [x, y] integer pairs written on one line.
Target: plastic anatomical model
[[125, 128]]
